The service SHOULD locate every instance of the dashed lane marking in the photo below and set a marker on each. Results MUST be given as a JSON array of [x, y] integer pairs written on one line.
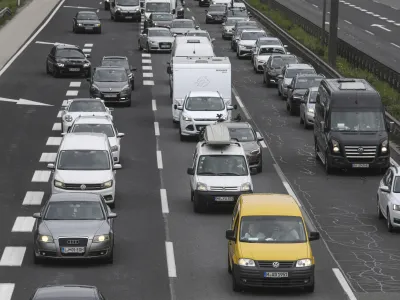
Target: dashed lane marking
[[6, 290], [147, 68], [371, 33], [188, 9], [75, 84], [56, 127], [393, 44], [193, 18], [54, 141], [159, 159], [48, 157], [147, 75], [33, 198], [72, 93], [88, 46], [23, 224], [59, 114], [348, 22], [12, 256], [156, 129], [87, 50], [153, 105], [164, 201], [263, 144], [343, 282], [315, 5], [41, 176], [146, 61], [169, 249], [148, 82], [146, 55], [286, 184]]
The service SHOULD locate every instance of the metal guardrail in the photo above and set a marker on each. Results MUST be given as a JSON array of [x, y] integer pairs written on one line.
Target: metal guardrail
[[5, 12], [314, 59]]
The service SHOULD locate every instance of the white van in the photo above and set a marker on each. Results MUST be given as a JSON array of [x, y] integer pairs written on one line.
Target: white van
[[125, 10], [166, 6]]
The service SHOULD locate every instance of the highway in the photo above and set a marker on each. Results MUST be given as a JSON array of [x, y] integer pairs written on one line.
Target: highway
[[370, 26], [163, 249]]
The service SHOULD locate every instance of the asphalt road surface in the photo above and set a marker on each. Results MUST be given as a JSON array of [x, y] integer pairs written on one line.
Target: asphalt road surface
[[164, 250]]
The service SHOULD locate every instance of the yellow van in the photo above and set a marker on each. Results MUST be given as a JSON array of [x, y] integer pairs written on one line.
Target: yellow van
[[269, 245]]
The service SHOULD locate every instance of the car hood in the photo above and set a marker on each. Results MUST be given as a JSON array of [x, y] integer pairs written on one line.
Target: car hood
[[247, 42], [228, 28], [250, 146], [162, 23], [168, 39], [211, 115], [72, 61], [274, 252], [263, 57], [110, 86], [88, 21], [180, 30], [359, 138], [299, 92], [223, 181], [83, 177], [129, 8], [73, 228]]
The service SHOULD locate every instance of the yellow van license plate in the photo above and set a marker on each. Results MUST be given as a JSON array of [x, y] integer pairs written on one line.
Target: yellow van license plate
[[276, 274]]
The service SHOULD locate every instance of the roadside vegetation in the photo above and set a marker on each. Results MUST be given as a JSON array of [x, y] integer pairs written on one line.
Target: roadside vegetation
[[390, 96], [11, 4]]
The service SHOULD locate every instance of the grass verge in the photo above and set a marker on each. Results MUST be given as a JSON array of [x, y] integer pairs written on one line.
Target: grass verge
[[11, 4], [390, 96]]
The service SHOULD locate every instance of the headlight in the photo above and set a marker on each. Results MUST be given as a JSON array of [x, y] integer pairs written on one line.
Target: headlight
[[396, 207], [201, 186], [335, 146], [245, 187], [45, 238], [303, 263], [125, 88], [60, 65], [101, 238], [118, 9], [246, 262], [153, 42], [80, 24], [86, 65], [255, 152], [186, 118], [107, 184], [311, 110], [98, 25], [155, 24], [59, 184], [208, 15], [384, 147]]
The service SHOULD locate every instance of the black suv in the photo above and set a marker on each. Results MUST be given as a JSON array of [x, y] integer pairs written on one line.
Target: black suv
[[67, 60], [273, 67], [215, 13]]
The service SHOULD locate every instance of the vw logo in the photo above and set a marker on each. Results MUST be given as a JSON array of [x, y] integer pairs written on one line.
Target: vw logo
[[73, 242], [275, 264], [83, 187], [360, 150], [110, 89]]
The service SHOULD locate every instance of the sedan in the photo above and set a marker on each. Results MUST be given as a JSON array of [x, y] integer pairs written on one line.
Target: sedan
[[156, 39], [120, 61], [86, 21], [74, 226], [62, 292], [159, 19], [227, 27], [182, 26]]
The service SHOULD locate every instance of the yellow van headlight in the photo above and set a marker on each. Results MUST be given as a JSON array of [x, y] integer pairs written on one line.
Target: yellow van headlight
[[303, 263], [246, 262]]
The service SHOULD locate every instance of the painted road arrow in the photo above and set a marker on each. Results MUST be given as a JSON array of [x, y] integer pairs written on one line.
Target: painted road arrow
[[24, 102], [381, 27]]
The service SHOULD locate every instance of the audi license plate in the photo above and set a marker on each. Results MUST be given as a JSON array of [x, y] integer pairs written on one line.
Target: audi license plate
[[360, 165], [74, 69], [276, 274], [73, 250], [224, 199], [88, 28], [128, 17], [165, 46], [110, 95]]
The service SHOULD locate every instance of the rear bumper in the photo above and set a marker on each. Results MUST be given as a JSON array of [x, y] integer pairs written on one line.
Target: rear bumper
[[209, 197]]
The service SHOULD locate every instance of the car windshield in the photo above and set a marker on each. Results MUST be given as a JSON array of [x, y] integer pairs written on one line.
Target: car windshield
[[217, 8], [115, 63], [158, 7], [113, 75], [271, 50], [247, 23], [313, 97], [305, 83], [204, 104], [74, 210], [242, 134], [396, 186], [205, 34], [87, 106], [162, 17], [357, 121], [252, 36], [269, 42], [231, 22], [107, 129], [128, 2], [183, 24], [293, 72], [272, 229], [87, 160], [70, 53], [237, 13], [222, 165], [159, 32], [279, 62], [87, 16]]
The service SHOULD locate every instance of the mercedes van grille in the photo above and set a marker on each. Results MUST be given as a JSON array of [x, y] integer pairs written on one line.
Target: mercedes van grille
[[360, 152], [224, 188]]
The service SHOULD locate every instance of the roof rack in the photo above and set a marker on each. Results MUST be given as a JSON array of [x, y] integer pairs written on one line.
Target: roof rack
[[217, 135], [351, 84]]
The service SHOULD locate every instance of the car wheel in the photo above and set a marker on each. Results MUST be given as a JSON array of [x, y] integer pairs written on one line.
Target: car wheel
[[279, 92], [47, 68], [301, 119], [199, 207], [133, 84], [260, 168], [328, 168], [236, 287], [110, 259], [129, 103], [388, 221], [310, 288], [191, 196], [378, 208], [316, 150], [229, 266], [207, 21]]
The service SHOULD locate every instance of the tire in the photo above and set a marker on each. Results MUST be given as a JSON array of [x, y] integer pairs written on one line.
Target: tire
[[328, 168], [236, 287], [229, 266], [279, 92], [129, 104], [316, 150], [191, 196], [388, 222], [110, 259], [198, 207], [378, 208], [310, 288], [292, 111], [112, 205], [37, 260]]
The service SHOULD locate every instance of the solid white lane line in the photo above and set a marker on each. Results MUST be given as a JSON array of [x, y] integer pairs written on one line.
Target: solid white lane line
[[72, 93], [89, 45], [159, 160], [383, 18], [146, 61], [147, 75], [371, 33], [56, 127], [146, 55], [148, 82], [169, 248], [33, 198], [41, 176], [286, 184], [75, 84], [394, 163], [343, 282], [393, 44], [59, 114], [315, 5], [263, 144], [348, 22], [23, 224], [6, 290], [153, 105], [147, 68], [239, 101], [156, 129], [87, 50], [12, 256], [164, 201], [48, 157], [54, 141]]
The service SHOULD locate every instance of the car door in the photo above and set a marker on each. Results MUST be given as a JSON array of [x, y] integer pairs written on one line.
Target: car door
[[281, 80], [382, 195], [386, 196], [303, 104], [290, 90], [192, 178], [51, 58], [231, 244]]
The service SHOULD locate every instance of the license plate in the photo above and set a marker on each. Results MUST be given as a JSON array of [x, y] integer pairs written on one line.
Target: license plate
[[360, 165], [73, 249], [110, 95], [89, 28], [128, 17], [224, 199], [164, 46], [276, 274], [74, 69]]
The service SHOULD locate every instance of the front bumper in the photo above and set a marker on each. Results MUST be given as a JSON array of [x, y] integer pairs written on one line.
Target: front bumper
[[254, 277], [192, 128], [108, 194], [85, 28], [111, 97], [340, 162], [244, 51], [208, 197], [161, 46], [74, 70], [272, 77], [137, 16]]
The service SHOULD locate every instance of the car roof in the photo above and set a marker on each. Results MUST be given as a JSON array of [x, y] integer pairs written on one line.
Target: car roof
[[110, 68], [182, 20], [253, 30], [268, 38], [204, 94], [271, 46], [74, 197], [299, 66], [87, 12], [66, 291], [115, 57], [238, 125], [93, 120], [157, 28], [69, 101], [269, 205], [84, 141], [66, 46]]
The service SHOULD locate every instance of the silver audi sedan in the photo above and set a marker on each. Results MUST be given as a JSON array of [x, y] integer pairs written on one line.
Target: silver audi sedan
[[74, 226]]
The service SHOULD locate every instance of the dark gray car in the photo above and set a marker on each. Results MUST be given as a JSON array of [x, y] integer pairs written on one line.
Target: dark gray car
[[74, 226], [120, 61], [63, 292], [111, 84], [181, 26], [159, 19]]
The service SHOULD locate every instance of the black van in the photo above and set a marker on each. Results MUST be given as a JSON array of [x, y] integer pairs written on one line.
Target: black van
[[350, 128]]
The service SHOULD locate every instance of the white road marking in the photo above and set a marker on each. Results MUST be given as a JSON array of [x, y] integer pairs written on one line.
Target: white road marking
[[395, 45], [146, 55], [393, 162], [48, 157], [146, 61], [75, 84], [348, 22], [397, 24], [72, 93], [383, 18], [78, 7], [54, 141], [41, 176], [193, 18], [188, 9], [147, 68], [64, 103], [369, 32], [12, 256], [56, 127], [263, 144], [390, 21], [156, 129], [87, 50], [380, 26], [148, 82], [98, 10], [33, 198], [315, 5], [286, 184], [23, 224], [164, 201], [59, 114], [370, 13], [169, 248], [44, 43], [376, 15], [244, 109], [159, 160], [343, 282], [147, 75], [153, 105], [89, 45], [6, 290]]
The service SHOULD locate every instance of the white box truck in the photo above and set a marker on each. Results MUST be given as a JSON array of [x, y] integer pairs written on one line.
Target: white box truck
[[194, 74]]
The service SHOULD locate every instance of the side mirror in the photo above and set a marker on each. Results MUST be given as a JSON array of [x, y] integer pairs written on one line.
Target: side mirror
[[212, 40], [112, 215], [175, 35], [313, 236], [173, 11], [322, 126], [259, 137], [229, 107], [190, 171], [385, 189], [178, 107], [37, 215], [51, 166], [120, 135], [169, 70], [253, 171], [391, 126], [87, 55], [117, 167], [230, 235]]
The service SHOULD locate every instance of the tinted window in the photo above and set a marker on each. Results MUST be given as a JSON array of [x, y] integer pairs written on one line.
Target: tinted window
[[279, 62], [313, 97], [246, 36], [293, 72], [222, 165], [305, 83], [158, 7], [237, 13], [269, 42], [107, 129], [162, 17], [396, 186], [74, 210], [113, 75], [242, 134], [160, 32], [357, 121], [204, 104], [70, 53], [86, 106], [230, 22], [87, 16], [115, 63], [84, 160], [183, 24]]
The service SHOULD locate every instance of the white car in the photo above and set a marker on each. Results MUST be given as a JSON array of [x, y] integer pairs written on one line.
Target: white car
[[246, 41], [388, 198], [199, 32], [267, 41], [263, 54], [71, 109], [200, 109], [104, 125]]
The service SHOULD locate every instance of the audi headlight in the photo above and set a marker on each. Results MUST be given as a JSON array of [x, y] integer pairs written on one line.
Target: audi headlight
[[255, 152], [245, 187], [303, 263], [98, 25], [80, 24], [68, 118], [396, 207], [59, 184], [201, 186], [335, 146], [384, 147], [311, 110], [186, 118], [60, 65], [45, 238], [101, 238], [107, 184], [86, 65], [246, 262], [153, 42]]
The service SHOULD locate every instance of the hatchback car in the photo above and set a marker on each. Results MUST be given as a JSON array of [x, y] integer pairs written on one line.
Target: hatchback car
[[181, 26], [273, 67], [307, 107], [120, 61], [63, 292], [227, 27], [156, 39], [215, 13], [86, 21]]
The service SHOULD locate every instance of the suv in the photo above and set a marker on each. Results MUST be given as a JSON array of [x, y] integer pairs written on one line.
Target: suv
[[84, 164], [237, 30], [215, 13], [273, 67], [288, 73], [246, 41], [265, 41], [220, 172], [125, 10]]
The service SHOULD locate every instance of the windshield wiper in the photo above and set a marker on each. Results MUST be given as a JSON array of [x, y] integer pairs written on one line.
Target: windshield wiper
[[229, 173], [207, 173]]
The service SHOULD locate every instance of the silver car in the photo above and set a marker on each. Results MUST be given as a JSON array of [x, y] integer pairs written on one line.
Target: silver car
[[307, 107], [74, 226], [156, 39], [227, 27]]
